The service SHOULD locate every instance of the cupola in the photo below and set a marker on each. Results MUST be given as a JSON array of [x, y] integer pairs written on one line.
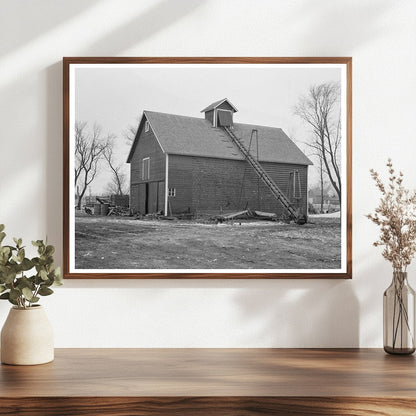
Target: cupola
[[220, 113]]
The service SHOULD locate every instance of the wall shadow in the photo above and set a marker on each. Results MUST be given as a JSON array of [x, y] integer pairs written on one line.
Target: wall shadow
[[37, 18], [337, 18], [54, 145], [160, 16], [301, 313]]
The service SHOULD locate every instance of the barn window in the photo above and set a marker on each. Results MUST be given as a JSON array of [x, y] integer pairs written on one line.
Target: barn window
[[146, 168], [172, 192], [146, 126]]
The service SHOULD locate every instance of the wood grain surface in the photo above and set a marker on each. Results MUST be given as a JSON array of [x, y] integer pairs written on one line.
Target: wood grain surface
[[212, 381]]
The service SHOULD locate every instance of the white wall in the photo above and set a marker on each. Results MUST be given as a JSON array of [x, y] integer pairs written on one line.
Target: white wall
[[380, 35]]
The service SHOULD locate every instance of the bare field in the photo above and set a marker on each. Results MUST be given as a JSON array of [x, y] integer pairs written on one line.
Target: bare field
[[120, 243]]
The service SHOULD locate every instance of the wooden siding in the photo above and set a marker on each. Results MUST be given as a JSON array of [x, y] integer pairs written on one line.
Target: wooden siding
[[225, 106], [134, 197], [209, 115], [208, 185], [147, 146], [141, 199]]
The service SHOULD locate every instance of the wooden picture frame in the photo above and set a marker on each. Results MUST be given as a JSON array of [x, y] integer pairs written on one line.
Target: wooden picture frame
[[88, 91]]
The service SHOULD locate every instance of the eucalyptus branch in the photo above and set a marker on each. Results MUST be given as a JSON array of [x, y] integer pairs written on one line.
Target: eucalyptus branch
[[15, 286]]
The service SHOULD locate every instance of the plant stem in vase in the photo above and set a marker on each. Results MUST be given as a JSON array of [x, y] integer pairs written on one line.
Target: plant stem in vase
[[399, 316]]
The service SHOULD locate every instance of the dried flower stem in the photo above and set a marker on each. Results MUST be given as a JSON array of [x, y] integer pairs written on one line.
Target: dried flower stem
[[396, 217]]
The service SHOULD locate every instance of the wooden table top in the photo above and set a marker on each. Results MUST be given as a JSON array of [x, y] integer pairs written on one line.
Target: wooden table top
[[214, 372]]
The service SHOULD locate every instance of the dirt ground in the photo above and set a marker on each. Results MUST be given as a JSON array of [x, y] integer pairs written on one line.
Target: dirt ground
[[125, 243]]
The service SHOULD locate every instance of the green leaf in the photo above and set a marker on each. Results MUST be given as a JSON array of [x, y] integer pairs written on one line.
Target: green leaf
[[15, 294], [58, 280], [43, 274], [49, 250], [8, 277], [11, 248], [48, 282], [28, 294], [45, 291], [14, 267], [48, 260], [24, 282], [4, 255], [2, 288], [2, 227], [18, 242], [5, 250], [37, 243], [26, 264], [7, 297], [2, 236], [38, 280], [21, 255]]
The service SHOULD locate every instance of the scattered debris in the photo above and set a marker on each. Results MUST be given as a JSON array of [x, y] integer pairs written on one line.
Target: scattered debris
[[245, 215], [119, 211], [154, 216]]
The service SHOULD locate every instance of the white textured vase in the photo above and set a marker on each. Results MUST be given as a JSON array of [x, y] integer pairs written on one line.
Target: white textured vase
[[27, 337]]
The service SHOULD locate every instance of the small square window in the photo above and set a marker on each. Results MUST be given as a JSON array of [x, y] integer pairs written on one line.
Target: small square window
[[146, 126], [172, 192]]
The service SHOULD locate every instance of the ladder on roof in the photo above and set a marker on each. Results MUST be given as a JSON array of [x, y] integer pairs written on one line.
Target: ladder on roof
[[267, 180]]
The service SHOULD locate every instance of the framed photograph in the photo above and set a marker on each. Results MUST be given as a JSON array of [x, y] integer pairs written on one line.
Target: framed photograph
[[207, 168]]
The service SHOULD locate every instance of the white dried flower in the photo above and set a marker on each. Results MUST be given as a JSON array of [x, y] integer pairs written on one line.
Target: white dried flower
[[396, 217]]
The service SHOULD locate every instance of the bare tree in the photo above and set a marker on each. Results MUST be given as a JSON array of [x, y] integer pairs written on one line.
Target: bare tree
[[89, 149], [130, 132], [321, 182], [113, 187], [118, 184], [320, 109]]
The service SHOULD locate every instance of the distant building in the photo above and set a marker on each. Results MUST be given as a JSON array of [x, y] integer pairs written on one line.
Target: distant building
[[188, 164], [330, 202]]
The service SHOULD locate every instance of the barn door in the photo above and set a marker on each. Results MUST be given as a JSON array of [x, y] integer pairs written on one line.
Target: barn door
[[146, 199]]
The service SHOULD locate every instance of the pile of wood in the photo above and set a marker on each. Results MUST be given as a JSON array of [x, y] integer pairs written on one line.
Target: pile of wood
[[247, 214], [113, 210], [118, 211]]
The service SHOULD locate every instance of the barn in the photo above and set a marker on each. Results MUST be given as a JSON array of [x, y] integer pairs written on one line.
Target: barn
[[211, 164]]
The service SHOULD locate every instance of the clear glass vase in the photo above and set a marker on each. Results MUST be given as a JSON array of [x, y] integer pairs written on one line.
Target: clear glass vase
[[399, 316]]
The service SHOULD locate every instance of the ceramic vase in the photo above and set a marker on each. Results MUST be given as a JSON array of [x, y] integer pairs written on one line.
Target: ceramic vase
[[27, 337]]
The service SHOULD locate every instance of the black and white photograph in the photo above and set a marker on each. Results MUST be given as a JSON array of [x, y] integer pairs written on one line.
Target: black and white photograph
[[209, 169]]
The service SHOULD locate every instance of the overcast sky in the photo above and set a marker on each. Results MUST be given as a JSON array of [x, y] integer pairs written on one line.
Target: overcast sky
[[115, 97]]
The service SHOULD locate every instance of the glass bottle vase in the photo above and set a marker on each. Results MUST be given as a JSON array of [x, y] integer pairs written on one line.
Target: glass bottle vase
[[399, 316]]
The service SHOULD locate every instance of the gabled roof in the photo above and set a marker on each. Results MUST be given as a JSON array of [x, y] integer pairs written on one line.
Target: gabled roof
[[218, 103], [191, 136]]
